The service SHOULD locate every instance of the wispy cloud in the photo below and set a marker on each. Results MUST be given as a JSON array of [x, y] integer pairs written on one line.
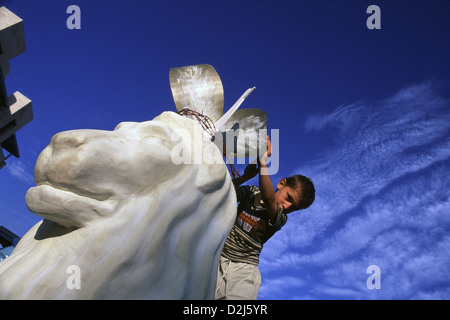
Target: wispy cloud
[[20, 170], [280, 285], [383, 197]]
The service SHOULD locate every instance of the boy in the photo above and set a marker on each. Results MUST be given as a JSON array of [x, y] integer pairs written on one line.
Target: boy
[[261, 213]]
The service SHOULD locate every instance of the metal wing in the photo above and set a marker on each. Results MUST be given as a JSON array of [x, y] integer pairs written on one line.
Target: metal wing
[[244, 134], [198, 88]]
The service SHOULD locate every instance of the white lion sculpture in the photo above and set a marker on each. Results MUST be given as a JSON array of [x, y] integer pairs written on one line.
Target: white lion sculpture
[[137, 225]]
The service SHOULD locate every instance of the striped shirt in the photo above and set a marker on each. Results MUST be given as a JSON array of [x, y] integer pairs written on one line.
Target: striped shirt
[[252, 227]]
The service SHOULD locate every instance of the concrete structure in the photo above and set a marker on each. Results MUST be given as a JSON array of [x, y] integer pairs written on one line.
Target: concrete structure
[[15, 110]]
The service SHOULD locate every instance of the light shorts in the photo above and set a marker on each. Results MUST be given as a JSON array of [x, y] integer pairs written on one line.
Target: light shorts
[[237, 280]]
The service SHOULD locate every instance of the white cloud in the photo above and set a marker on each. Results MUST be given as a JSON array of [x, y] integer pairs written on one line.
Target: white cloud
[[278, 285], [20, 170], [383, 197]]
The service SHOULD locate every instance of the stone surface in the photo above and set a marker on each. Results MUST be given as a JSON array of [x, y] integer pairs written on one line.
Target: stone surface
[[12, 38]]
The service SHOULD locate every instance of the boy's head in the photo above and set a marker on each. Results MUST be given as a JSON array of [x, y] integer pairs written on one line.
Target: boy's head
[[295, 193]]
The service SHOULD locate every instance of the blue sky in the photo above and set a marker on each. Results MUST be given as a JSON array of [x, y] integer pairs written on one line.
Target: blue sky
[[364, 113]]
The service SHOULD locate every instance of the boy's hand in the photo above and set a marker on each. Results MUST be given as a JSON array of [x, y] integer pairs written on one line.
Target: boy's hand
[[250, 171], [262, 161]]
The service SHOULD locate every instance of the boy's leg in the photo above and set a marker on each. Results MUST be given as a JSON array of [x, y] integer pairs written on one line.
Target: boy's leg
[[241, 281], [224, 265]]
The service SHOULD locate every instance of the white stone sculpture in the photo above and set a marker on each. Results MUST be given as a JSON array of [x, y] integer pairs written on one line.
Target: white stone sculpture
[[118, 210], [126, 216]]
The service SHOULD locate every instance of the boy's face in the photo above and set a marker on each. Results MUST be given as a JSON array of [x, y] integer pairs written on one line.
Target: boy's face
[[287, 198]]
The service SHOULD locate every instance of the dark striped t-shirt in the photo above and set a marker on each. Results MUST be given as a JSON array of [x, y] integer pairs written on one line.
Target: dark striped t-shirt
[[252, 227]]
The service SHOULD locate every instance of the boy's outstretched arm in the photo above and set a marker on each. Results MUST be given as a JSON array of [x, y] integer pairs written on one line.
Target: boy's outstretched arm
[[265, 184]]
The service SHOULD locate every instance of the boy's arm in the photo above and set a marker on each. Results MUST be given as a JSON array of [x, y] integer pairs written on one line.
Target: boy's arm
[[265, 184], [250, 171]]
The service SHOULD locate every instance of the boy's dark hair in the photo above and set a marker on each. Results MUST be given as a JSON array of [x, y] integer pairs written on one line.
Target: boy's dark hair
[[305, 187]]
